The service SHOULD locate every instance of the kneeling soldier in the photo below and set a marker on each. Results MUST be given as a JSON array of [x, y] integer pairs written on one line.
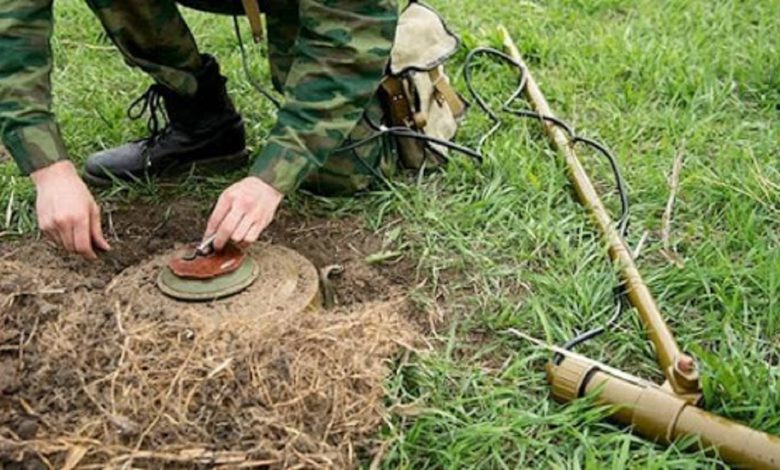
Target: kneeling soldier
[[327, 57]]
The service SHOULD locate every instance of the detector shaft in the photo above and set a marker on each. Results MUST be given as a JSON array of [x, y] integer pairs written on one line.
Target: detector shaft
[[667, 350]]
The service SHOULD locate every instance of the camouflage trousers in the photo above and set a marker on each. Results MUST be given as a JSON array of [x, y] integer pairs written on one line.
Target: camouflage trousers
[[152, 35]]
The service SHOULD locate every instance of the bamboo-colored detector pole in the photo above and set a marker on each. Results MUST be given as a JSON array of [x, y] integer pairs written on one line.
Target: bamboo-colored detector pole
[[679, 368]]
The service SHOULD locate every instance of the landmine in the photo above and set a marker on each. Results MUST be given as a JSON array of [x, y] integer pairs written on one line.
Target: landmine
[[272, 283]]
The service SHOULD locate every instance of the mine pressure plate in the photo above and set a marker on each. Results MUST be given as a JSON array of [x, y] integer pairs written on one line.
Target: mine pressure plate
[[199, 274]]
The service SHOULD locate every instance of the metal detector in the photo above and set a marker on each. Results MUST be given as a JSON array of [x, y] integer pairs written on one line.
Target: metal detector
[[663, 413]]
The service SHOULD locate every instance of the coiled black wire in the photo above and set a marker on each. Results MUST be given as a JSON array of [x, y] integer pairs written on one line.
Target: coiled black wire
[[623, 221], [526, 113]]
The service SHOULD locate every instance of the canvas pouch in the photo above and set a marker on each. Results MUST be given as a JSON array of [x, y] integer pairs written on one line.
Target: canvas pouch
[[417, 93]]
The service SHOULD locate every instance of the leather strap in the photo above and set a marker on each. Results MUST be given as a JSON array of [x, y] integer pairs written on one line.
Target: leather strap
[[396, 102], [448, 93], [252, 10]]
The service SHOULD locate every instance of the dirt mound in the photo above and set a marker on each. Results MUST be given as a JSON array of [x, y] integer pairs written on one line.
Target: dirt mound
[[287, 284], [96, 369]]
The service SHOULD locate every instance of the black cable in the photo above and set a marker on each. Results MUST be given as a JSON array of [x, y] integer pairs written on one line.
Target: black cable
[[468, 65], [516, 94], [622, 224], [620, 306], [619, 181], [405, 132], [245, 63]]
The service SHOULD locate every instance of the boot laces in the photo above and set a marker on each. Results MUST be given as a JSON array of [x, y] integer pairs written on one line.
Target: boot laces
[[151, 102], [158, 123]]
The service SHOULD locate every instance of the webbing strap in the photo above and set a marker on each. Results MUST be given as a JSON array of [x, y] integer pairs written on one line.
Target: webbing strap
[[447, 92]]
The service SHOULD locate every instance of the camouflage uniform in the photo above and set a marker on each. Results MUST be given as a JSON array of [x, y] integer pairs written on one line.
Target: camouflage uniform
[[327, 58]]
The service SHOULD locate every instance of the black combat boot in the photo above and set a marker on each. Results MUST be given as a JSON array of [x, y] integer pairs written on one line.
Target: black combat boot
[[203, 131]]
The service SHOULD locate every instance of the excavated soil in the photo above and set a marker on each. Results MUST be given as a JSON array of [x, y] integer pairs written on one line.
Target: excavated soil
[[97, 369]]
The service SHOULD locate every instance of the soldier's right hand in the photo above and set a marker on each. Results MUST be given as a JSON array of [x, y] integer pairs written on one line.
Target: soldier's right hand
[[67, 212]]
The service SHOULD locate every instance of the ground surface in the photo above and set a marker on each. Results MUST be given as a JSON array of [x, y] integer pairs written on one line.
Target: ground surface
[[97, 367], [504, 245]]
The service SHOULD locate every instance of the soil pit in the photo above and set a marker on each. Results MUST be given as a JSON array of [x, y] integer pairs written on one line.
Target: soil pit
[[97, 368]]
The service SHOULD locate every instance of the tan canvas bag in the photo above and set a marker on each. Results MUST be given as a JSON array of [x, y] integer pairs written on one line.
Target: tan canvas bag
[[417, 93]]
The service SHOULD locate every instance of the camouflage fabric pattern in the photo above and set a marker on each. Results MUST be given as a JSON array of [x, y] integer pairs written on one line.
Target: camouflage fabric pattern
[[327, 58], [350, 171], [329, 65], [153, 36], [27, 127]]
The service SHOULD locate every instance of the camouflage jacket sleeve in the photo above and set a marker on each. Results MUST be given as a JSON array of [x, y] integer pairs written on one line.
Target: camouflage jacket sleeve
[[27, 127], [340, 57]]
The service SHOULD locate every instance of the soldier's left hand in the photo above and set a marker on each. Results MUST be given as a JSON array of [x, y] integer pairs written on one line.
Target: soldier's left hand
[[243, 211]]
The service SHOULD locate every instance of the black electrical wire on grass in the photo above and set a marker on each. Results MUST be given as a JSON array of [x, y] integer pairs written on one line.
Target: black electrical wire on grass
[[622, 224], [245, 63], [526, 113]]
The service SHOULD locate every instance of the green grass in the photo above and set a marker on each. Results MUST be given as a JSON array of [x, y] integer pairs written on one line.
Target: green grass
[[505, 245]]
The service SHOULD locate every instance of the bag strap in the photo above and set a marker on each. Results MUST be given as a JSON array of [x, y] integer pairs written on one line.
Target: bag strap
[[396, 103], [447, 92], [252, 10]]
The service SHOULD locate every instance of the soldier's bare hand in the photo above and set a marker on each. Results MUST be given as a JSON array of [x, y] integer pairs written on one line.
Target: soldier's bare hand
[[67, 212], [243, 211]]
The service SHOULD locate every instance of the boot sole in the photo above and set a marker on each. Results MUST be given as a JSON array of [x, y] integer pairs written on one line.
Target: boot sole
[[222, 164]]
